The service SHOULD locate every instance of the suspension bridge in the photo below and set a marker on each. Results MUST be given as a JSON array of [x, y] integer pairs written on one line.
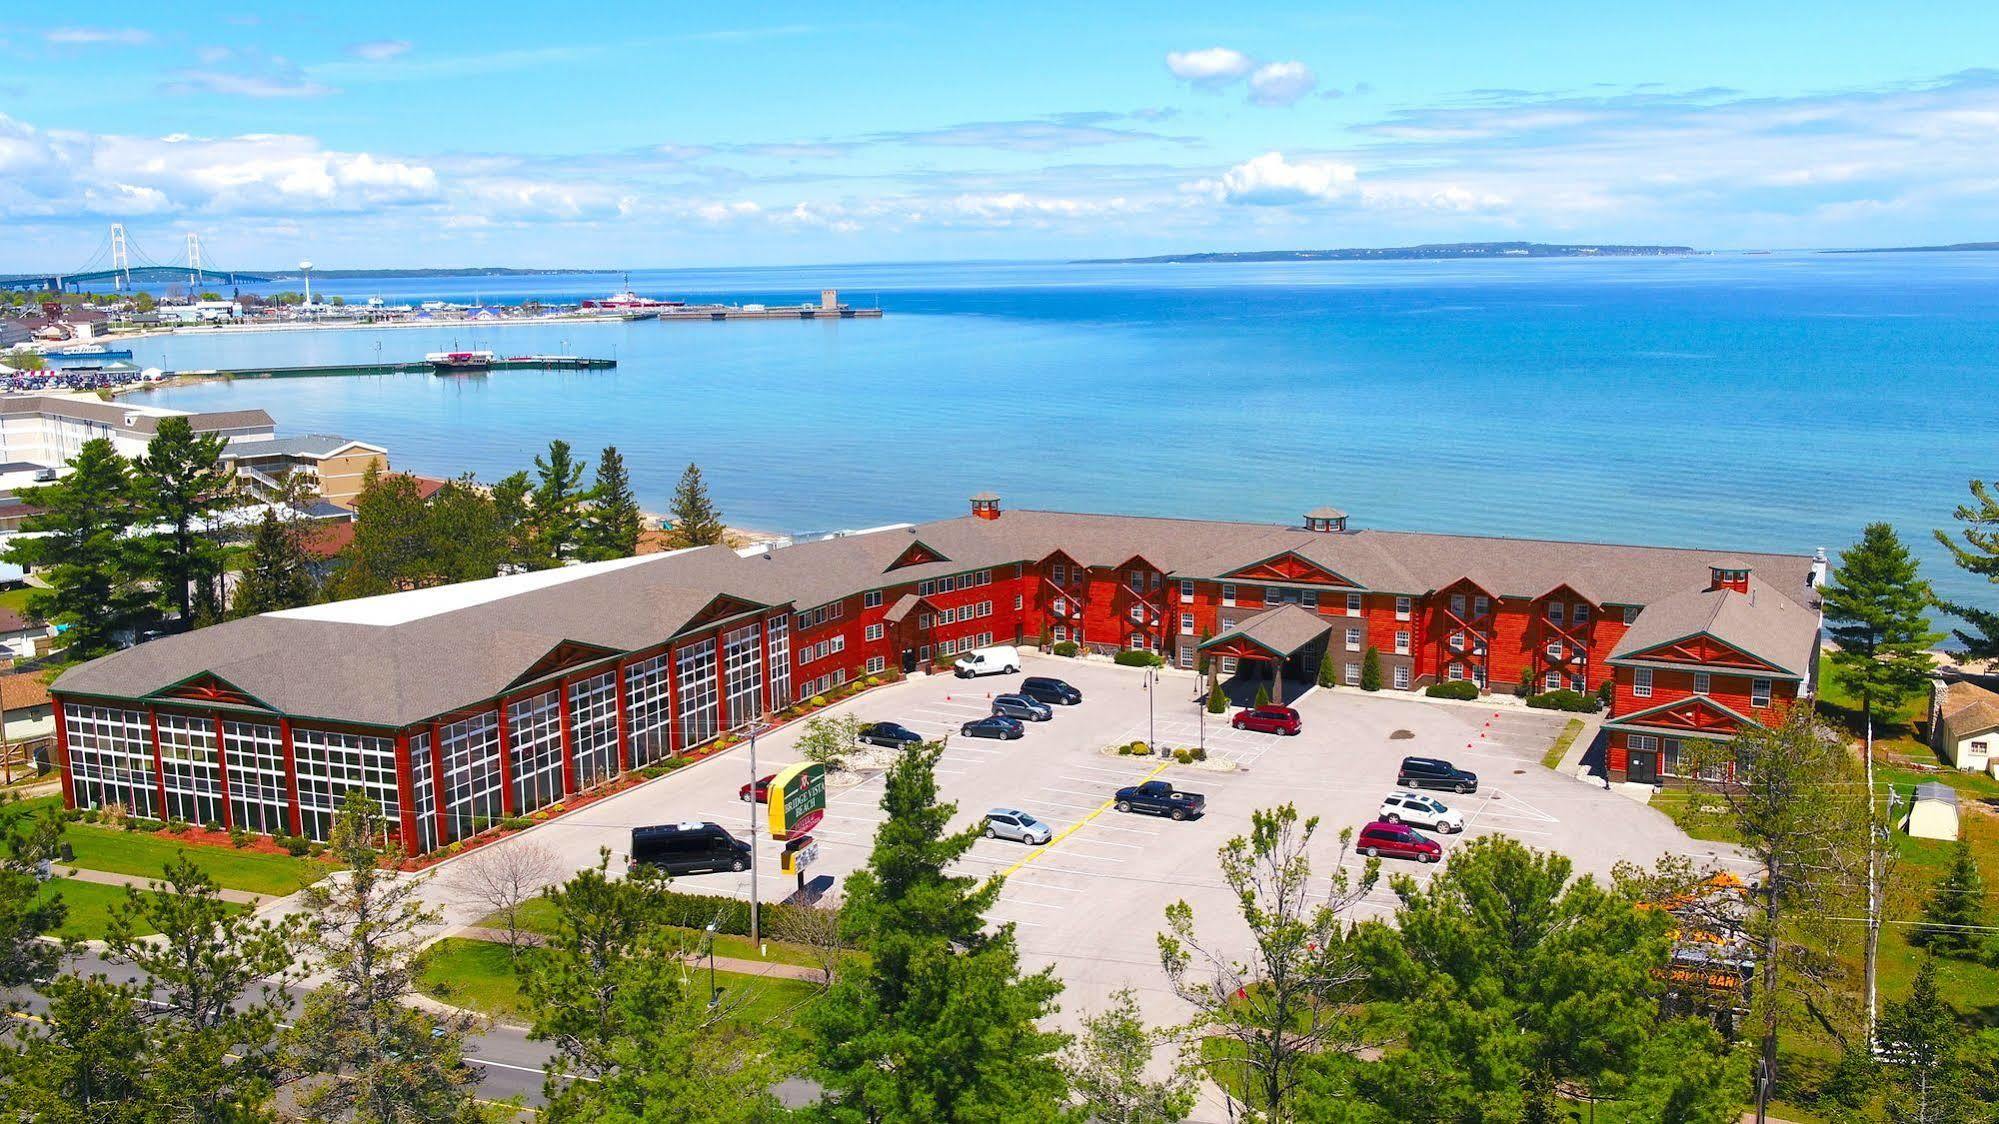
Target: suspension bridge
[[123, 266]]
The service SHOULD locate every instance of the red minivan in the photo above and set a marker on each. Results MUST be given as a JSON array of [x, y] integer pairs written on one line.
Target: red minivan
[[1268, 720], [1398, 841]]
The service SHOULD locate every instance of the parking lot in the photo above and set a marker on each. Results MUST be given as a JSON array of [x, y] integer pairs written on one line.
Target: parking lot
[[1091, 901]]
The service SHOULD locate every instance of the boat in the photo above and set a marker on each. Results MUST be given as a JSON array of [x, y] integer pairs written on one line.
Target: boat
[[82, 353], [626, 301], [447, 361]]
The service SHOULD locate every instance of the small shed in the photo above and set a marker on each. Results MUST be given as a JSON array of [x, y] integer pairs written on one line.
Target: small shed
[[1935, 813]]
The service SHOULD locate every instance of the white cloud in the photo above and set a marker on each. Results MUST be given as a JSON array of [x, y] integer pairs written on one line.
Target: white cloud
[[243, 85], [1271, 180], [379, 50], [1281, 83], [1210, 67], [724, 212], [94, 36]]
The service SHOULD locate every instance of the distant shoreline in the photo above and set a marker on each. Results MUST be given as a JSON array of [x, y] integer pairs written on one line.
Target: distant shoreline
[[1437, 251], [1953, 248]]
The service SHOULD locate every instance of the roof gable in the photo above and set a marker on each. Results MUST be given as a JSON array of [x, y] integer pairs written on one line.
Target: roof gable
[[562, 657], [916, 554], [1698, 714], [208, 687], [1290, 566], [1704, 649]]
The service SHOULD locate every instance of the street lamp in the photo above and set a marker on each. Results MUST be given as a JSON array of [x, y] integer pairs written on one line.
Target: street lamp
[[714, 996], [1151, 690], [756, 940]]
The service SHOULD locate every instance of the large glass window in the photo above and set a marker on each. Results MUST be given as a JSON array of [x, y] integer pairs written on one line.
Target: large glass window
[[694, 682], [330, 765], [742, 669], [593, 728], [256, 761], [647, 719], [423, 794], [111, 758], [187, 755], [534, 732], [780, 659], [472, 800]]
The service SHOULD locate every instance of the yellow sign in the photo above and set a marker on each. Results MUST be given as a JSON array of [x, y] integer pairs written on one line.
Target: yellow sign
[[797, 799]]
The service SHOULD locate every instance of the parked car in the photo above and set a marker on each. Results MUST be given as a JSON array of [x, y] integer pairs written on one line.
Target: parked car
[[1398, 841], [1011, 823], [1000, 660], [1022, 707], [1160, 798], [1268, 720], [689, 848], [1423, 811], [1056, 692], [1435, 772], [760, 791], [993, 726], [889, 734]]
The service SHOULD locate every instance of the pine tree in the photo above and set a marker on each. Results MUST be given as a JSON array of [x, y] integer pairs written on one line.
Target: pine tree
[[1955, 908], [278, 574], [1329, 673], [1925, 1034], [1875, 606], [510, 508], [85, 1058], [1977, 554], [1262, 695], [466, 536], [392, 547], [611, 528], [939, 1024], [82, 549], [1218, 703], [182, 483], [695, 520], [25, 914], [1370, 669], [558, 498]]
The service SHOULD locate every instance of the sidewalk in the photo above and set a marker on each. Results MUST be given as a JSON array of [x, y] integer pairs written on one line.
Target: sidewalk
[[722, 963], [106, 878]]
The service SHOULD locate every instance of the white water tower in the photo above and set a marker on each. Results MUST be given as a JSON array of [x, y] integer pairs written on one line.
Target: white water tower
[[305, 267]]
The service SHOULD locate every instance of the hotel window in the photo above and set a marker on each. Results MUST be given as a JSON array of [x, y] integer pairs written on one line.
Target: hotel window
[[840, 642], [925, 589], [1702, 682], [1228, 624], [257, 795], [593, 729], [1402, 643], [743, 677], [471, 773], [872, 599], [947, 616], [1554, 649], [1059, 606], [1353, 640], [1138, 613], [187, 757], [1478, 642], [695, 693], [1478, 676], [1228, 593], [1060, 633], [1555, 612], [1137, 641], [1060, 573], [875, 632], [1457, 641], [1641, 743], [1309, 599], [1581, 615], [1401, 677], [1186, 659], [1351, 674], [1759, 692], [1137, 579], [1157, 578], [985, 577], [534, 727], [111, 758], [1457, 672], [1186, 591], [1402, 607], [1631, 614], [876, 664], [1186, 624], [1669, 757], [923, 619], [1228, 665], [1551, 681], [1641, 683], [1353, 604], [330, 765], [1016, 602], [1479, 606], [836, 610], [1458, 604], [1578, 685]]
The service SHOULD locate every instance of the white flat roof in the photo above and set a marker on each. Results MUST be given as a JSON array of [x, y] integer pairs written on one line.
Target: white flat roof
[[416, 604]]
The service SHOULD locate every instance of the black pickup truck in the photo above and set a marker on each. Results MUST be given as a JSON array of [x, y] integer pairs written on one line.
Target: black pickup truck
[[1161, 799]]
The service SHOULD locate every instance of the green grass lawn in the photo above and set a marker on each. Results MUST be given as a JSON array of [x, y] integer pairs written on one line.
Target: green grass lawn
[[143, 854], [1673, 802], [1896, 731], [16, 599], [538, 916], [481, 976], [90, 907], [1563, 741]]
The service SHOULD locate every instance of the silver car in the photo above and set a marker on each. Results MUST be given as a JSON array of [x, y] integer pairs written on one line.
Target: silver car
[[1012, 823]]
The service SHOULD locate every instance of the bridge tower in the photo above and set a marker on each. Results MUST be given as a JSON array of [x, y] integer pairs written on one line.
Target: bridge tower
[[194, 261], [121, 261]]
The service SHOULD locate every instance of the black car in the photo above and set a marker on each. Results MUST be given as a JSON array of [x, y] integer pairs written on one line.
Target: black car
[[689, 848], [1022, 707], [1055, 692], [993, 726], [1433, 772], [889, 734]]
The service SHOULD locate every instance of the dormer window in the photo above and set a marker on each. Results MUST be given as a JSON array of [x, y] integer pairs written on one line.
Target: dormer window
[[1728, 577], [1326, 520]]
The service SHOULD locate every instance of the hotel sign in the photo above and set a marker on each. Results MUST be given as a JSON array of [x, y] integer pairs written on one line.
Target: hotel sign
[[797, 799]]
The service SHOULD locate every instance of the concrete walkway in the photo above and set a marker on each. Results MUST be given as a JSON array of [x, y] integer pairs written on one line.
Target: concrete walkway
[[734, 964], [106, 878]]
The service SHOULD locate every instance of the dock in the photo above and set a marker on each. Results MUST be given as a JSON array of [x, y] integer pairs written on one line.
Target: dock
[[423, 366], [753, 312]]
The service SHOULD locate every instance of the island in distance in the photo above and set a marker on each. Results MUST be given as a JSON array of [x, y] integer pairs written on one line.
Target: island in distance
[[1406, 253]]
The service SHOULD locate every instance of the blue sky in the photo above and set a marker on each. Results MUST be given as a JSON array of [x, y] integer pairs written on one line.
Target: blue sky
[[368, 134]]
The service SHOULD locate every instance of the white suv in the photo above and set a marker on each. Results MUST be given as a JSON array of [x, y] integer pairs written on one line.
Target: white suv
[[1423, 811]]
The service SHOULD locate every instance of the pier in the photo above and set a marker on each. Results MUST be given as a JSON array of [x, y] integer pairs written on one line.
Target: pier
[[424, 366]]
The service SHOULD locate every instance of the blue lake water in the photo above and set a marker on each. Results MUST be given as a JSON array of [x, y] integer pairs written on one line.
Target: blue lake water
[[1759, 402]]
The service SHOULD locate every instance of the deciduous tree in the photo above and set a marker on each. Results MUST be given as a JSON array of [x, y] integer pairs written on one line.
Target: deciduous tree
[[1108, 1069], [503, 878], [182, 484], [392, 546], [83, 548], [695, 520]]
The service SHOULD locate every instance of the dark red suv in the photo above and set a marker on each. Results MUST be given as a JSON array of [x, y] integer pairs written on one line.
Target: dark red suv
[[1268, 720], [1398, 841]]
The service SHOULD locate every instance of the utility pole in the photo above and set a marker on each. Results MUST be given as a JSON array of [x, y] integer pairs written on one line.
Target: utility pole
[[756, 940], [1766, 1066], [1873, 884]]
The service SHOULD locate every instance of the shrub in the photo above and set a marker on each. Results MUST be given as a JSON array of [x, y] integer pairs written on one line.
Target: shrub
[[1526, 682], [818, 700], [1138, 657], [176, 826], [1182, 756], [1455, 689], [211, 825], [1139, 749], [1329, 676], [516, 823], [871, 681], [1573, 701], [1198, 753], [239, 837], [1218, 703], [295, 845], [1124, 751], [1604, 693], [1370, 669], [316, 849], [1263, 696], [1065, 648]]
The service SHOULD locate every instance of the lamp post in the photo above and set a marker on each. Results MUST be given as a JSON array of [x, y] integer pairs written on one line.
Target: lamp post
[[714, 996], [755, 937], [1151, 691]]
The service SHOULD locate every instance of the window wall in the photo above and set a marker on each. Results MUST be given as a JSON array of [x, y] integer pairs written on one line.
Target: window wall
[[593, 728], [534, 734], [742, 676], [187, 756], [647, 718], [695, 683], [330, 765], [257, 792], [780, 658], [111, 758], [472, 798]]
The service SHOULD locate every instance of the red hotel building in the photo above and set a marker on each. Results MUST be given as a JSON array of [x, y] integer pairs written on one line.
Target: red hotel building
[[459, 705]]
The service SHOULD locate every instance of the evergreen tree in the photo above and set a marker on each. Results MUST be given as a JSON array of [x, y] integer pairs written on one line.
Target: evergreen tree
[[1329, 672], [611, 527], [1218, 703], [26, 842], [695, 520], [182, 483], [466, 538], [1262, 695], [1370, 669], [392, 548], [516, 524], [386, 1062], [1956, 907], [939, 1024], [1928, 1083], [1875, 607], [1977, 554], [278, 573], [85, 1060], [84, 551], [1108, 1069], [558, 498]]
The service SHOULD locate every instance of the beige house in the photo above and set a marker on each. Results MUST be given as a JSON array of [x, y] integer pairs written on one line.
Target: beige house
[[1964, 725], [335, 465], [29, 720]]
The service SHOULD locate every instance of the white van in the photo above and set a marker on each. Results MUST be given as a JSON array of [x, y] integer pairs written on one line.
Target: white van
[[1002, 660]]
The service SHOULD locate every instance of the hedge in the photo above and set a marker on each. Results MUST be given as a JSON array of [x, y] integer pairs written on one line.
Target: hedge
[[1065, 648], [695, 911], [1455, 689], [1138, 658], [1573, 701]]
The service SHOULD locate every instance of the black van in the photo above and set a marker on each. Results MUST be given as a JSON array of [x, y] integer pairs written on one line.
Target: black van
[[1432, 772], [689, 848]]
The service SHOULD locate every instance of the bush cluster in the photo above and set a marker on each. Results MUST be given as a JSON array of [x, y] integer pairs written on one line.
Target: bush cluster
[[295, 845], [1573, 701], [1455, 689], [1065, 648], [731, 915], [1133, 749], [1138, 657]]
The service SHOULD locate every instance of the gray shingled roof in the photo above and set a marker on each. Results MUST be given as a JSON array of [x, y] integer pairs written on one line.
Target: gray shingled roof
[[1282, 630], [113, 414], [303, 445], [1763, 623]]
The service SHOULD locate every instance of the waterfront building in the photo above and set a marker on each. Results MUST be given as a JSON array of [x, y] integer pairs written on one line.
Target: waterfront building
[[460, 705], [336, 465]]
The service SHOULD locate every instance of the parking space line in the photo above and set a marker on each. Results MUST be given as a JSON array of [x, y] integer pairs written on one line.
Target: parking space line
[[1071, 829]]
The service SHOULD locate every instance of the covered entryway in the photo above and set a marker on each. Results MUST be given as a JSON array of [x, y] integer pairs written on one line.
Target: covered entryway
[[1277, 650], [908, 624]]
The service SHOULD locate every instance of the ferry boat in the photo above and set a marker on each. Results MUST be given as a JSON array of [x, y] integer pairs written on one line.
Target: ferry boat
[[626, 302], [83, 354], [447, 361]]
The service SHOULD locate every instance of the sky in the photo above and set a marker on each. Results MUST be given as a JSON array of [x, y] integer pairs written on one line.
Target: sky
[[614, 135]]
